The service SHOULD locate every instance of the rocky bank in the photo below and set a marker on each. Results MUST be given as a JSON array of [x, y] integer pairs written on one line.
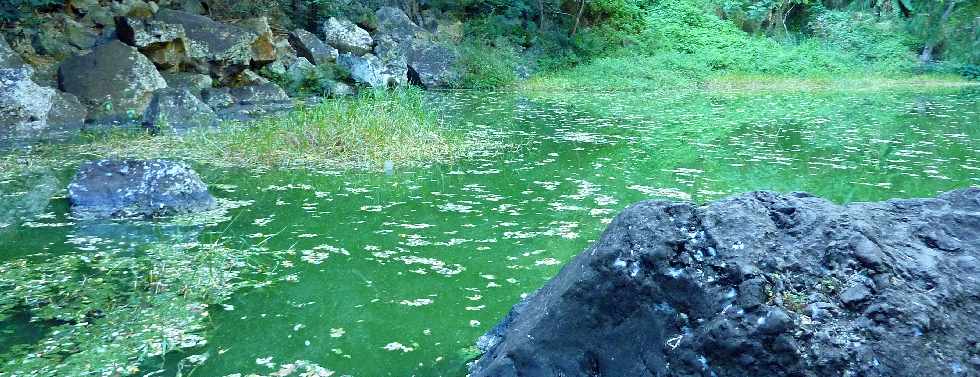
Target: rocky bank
[[759, 284], [167, 63]]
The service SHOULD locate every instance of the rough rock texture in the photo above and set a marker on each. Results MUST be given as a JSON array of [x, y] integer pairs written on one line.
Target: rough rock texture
[[222, 49], [151, 188], [371, 71], [403, 43], [160, 41], [196, 83], [8, 57], [178, 110], [28, 108], [433, 65], [248, 102], [312, 48], [112, 81], [760, 284], [347, 37]]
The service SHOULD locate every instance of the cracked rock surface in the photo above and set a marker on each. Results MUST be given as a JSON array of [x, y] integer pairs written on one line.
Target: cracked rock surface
[[759, 284], [137, 188]]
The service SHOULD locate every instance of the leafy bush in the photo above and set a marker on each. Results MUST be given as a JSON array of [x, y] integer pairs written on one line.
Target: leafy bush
[[16, 10], [488, 65], [876, 41]]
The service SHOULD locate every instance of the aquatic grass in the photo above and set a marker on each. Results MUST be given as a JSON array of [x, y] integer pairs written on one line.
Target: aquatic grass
[[357, 132], [113, 312]]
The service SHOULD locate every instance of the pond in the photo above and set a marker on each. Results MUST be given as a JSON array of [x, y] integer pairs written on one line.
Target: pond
[[397, 275]]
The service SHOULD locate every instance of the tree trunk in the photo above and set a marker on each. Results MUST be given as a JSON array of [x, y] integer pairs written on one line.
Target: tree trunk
[[578, 18], [930, 46], [541, 16]]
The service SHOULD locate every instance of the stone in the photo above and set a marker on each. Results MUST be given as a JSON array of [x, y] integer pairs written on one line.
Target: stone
[[222, 49], [98, 17], [29, 109], [193, 7], [179, 110], [113, 81], [856, 295], [264, 48], [659, 293], [193, 82], [23, 104], [369, 70], [8, 57], [51, 41], [403, 44], [79, 35], [433, 65], [312, 48], [66, 110], [347, 37], [339, 89], [137, 188], [247, 102], [163, 43]]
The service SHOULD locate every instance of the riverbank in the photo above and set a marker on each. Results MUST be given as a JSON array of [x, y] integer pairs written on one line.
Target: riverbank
[[362, 132]]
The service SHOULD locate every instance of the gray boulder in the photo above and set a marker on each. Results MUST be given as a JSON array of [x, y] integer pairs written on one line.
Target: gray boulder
[[222, 49], [347, 37], [26, 108], [178, 110], [400, 42], [194, 82], [149, 188], [312, 48], [248, 102], [114, 81], [433, 65], [760, 284], [370, 71], [160, 41], [8, 57]]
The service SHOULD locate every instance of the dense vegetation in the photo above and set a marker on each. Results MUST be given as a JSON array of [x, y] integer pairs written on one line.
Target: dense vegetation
[[504, 40], [695, 38]]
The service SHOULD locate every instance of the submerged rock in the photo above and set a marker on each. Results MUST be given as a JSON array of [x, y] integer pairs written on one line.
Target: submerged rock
[[137, 188], [759, 284]]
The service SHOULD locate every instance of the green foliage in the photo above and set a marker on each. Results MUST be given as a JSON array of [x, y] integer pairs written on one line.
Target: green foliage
[[488, 65], [874, 40], [18, 10]]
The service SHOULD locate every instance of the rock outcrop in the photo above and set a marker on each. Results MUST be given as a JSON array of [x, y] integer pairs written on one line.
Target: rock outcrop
[[124, 189], [114, 81], [347, 37], [312, 48], [27, 108], [179, 110], [9, 57], [759, 284]]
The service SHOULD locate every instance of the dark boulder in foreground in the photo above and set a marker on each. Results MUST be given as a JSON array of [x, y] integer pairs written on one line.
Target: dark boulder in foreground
[[151, 188], [760, 284]]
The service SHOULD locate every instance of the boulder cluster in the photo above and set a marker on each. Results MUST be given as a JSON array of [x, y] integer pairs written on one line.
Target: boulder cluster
[[759, 284], [112, 61]]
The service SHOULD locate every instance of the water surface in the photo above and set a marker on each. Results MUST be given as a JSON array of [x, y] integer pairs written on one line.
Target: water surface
[[398, 275]]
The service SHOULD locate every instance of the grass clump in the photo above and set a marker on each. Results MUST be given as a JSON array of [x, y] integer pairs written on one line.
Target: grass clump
[[113, 312], [355, 132]]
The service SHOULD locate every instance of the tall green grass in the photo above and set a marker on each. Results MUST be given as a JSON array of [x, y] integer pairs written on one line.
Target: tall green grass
[[361, 131]]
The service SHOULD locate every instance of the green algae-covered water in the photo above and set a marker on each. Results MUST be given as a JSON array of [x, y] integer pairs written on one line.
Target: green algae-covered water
[[368, 274]]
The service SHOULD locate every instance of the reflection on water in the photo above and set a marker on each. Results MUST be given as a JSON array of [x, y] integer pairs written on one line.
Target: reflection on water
[[397, 274]]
